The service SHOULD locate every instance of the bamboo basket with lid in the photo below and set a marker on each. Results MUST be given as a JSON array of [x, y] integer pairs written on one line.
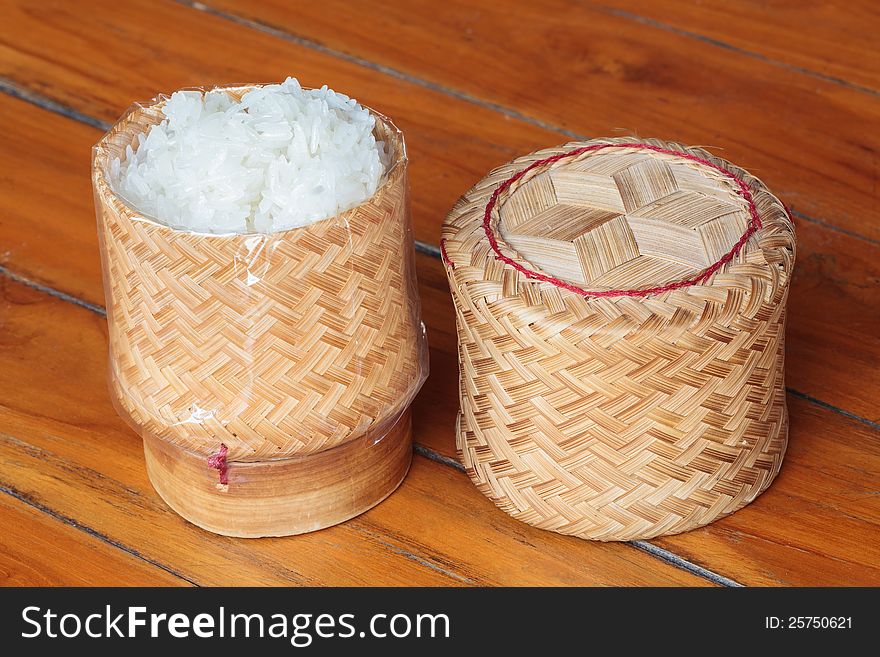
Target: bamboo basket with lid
[[621, 313], [270, 375]]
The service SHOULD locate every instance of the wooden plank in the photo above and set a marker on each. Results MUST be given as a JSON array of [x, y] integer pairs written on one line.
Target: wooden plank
[[814, 527], [818, 523], [583, 69], [833, 328], [77, 483], [39, 550], [437, 405], [47, 232], [602, 74], [47, 216], [64, 448], [821, 37], [101, 61], [824, 271]]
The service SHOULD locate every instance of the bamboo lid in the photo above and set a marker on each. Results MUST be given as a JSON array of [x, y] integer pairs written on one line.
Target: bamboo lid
[[623, 220], [619, 218]]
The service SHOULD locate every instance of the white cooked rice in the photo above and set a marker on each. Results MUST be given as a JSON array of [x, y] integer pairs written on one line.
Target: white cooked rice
[[281, 158]]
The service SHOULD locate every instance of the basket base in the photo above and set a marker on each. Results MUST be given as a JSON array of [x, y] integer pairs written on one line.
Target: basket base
[[602, 522], [285, 496]]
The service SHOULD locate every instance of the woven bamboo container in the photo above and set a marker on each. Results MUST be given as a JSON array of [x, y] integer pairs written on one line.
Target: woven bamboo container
[[269, 375], [621, 313]]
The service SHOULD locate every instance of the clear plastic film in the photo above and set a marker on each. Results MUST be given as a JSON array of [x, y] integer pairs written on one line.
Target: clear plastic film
[[265, 346]]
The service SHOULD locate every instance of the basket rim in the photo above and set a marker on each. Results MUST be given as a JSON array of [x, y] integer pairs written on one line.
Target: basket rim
[[101, 156]]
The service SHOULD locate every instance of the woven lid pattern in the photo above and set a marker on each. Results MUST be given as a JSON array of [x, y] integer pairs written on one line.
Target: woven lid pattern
[[623, 220]]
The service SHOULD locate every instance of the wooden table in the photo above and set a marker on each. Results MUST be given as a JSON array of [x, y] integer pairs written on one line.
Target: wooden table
[[792, 94]]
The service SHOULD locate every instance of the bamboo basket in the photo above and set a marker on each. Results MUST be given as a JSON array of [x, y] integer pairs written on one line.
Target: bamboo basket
[[621, 314], [270, 375]]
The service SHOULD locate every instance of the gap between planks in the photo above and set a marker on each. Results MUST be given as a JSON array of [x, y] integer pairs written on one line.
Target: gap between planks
[[10, 88], [46, 103], [509, 112], [43, 102], [655, 551], [378, 68], [24, 499], [718, 43]]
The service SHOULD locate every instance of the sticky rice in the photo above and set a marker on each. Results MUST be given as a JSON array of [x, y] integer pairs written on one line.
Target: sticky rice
[[282, 157]]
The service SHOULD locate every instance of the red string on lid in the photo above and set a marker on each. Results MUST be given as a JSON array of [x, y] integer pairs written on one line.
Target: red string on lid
[[742, 189]]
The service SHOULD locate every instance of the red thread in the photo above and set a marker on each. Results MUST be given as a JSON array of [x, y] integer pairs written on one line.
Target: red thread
[[754, 224], [218, 462], [445, 255]]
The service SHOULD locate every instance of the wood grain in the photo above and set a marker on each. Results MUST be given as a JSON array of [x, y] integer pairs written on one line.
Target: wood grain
[[99, 61], [823, 37], [636, 79], [846, 273], [39, 550], [833, 346], [577, 66], [64, 447], [282, 497], [815, 525], [140, 48]]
